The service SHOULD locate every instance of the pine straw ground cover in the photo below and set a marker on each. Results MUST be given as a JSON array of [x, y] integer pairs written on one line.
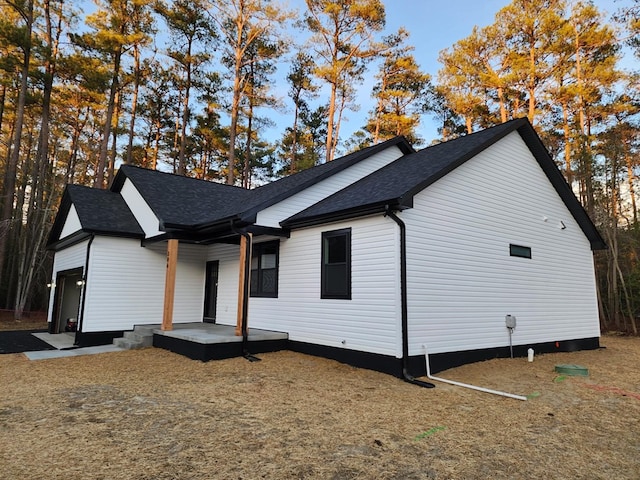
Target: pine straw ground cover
[[30, 321], [151, 414]]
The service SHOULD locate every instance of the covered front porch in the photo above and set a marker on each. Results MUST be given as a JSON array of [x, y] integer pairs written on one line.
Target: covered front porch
[[206, 341]]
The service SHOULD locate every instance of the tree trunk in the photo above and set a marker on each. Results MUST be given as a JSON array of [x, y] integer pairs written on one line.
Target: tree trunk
[[11, 169], [336, 126], [235, 107], [19, 234], [134, 102], [614, 300], [330, 114], [114, 141], [176, 140], [42, 155], [630, 178], [29, 261], [627, 301], [182, 164], [503, 108], [567, 143], [73, 150], [156, 144], [246, 171], [294, 141], [467, 121], [579, 81], [3, 94], [383, 88], [532, 83], [106, 133]]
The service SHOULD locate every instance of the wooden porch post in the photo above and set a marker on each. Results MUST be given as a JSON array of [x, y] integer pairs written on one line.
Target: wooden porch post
[[170, 284], [244, 283]]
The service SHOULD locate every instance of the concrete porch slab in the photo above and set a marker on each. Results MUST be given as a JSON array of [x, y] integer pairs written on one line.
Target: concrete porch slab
[[209, 333], [206, 341]]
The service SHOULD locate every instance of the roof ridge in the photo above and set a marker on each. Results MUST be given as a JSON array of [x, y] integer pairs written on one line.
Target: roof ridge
[[399, 139], [514, 124]]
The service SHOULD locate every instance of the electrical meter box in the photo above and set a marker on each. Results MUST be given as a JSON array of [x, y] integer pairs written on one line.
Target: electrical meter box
[[510, 320]]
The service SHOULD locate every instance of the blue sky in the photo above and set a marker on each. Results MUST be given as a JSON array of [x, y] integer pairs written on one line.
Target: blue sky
[[433, 25]]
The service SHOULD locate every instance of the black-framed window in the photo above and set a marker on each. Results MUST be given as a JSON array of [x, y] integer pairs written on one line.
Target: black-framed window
[[519, 251], [336, 264], [264, 269]]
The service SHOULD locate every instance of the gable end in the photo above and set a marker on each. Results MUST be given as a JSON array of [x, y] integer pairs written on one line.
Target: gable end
[[556, 179], [60, 220]]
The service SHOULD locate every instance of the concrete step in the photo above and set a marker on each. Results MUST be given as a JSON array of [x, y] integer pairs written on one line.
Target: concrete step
[[146, 329], [126, 343], [144, 334], [140, 337], [145, 340]]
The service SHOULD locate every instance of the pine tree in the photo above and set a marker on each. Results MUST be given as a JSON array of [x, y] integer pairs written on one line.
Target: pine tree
[[343, 38], [403, 92], [22, 35], [243, 23], [189, 27], [301, 88], [115, 29]]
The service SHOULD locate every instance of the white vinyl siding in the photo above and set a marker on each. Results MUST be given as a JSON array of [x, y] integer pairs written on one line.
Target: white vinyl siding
[[140, 209], [71, 223], [190, 276], [69, 258], [462, 280], [125, 284], [369, 322], [273, 215]]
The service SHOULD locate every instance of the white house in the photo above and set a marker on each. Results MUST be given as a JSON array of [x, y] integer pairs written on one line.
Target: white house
[[367, 259]]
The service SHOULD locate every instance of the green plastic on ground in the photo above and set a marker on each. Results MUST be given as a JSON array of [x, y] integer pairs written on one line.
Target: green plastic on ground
[[429, 432], [572, 370]]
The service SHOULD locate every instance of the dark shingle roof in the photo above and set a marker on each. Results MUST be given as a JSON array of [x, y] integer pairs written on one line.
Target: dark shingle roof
[[103, 211], [395, 184], [183, 202], [99, 211]]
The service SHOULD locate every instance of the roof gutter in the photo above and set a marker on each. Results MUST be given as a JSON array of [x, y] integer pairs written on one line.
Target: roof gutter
[[85, 275], [403, 296], [370, 209]]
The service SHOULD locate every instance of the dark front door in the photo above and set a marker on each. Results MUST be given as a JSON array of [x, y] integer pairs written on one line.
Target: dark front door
[[211, 292]]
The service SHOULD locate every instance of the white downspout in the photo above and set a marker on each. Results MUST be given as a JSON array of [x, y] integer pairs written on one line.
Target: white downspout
[[466, 385]]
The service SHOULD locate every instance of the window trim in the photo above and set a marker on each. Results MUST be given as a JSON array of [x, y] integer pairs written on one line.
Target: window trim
[[346, 232], [256, 252], [519, 251]]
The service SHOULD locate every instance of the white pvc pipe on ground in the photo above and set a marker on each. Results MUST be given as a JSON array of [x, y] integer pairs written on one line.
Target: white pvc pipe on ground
[[466, 385]]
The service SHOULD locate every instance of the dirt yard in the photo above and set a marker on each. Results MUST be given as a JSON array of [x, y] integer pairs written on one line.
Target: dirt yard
[[30, 321], [151, 414]]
